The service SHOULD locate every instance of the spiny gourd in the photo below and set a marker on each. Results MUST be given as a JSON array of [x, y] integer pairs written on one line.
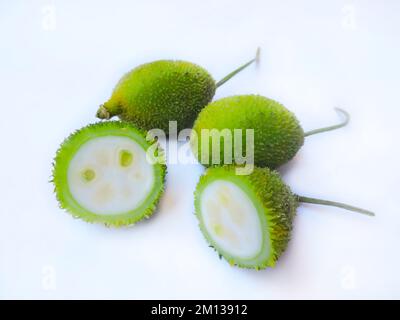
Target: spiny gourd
[[277, 133], [155, 93], [248, 219], [101, 174]]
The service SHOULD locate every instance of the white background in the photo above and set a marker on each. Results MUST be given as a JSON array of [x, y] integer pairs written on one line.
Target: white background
[[60, 61]]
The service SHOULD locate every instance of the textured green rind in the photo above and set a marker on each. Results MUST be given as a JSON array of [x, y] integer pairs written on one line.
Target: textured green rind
[[69, 148], [155, 93], [275, 203], [277, 133]]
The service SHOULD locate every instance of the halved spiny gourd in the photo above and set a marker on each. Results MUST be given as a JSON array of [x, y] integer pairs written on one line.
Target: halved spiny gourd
[[248, 219], [101, 174]]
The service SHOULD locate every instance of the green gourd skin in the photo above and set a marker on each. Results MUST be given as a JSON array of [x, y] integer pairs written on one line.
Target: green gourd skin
[[155, 93], [278, 135], [276, 208]]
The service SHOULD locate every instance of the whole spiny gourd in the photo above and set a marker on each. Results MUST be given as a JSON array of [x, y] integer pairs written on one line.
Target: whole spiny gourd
[[277, 133], [155, 93]]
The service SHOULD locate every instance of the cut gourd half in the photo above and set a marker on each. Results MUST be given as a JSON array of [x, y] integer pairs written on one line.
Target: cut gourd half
[[234, 219], [102, 174], [248, 219]]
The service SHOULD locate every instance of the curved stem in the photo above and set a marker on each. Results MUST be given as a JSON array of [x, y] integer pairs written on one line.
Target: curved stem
[[336, 126], [235, 72], [334, 204]]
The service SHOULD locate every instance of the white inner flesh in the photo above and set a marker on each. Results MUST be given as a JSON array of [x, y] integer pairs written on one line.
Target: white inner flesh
[[115, 188], [231, 219]]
